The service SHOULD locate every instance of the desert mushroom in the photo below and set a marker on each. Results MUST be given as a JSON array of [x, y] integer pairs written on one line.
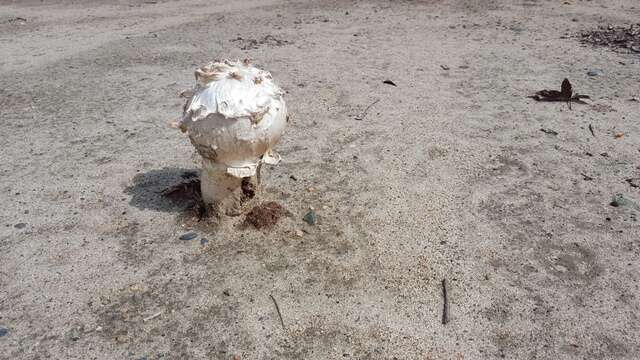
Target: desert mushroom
[[234, 116]]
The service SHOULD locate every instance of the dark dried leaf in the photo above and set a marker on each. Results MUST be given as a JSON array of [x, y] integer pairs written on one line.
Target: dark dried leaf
[[565, 89], [565, 94], [389, 82]]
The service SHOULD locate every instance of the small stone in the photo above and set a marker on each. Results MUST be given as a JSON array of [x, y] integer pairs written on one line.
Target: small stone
[[20, 225], [204, 241], [122, 339], [226, 293], [189, 236], [299, 233], [619, 200], [310, 218], [74, 334], [594, 72], [3, 331]]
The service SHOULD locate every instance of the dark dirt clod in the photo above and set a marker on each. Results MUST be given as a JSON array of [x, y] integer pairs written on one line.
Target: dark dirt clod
[[3, 331], [248, 189], [265, 215], [615, 37]]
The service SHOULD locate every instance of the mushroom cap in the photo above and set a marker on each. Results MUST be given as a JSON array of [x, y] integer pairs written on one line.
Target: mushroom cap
[[235, 115]]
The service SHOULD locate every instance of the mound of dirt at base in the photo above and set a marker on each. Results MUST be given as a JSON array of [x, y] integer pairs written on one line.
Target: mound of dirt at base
[[265, 215]]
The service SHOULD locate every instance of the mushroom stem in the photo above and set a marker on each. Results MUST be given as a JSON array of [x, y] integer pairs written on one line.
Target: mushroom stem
[[226, 193]]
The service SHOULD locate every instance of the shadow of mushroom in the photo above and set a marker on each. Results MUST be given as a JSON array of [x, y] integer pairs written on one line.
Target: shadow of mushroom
[[148, 190]]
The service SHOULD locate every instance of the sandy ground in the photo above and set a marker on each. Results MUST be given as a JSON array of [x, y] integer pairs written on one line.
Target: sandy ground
[[447, 177]]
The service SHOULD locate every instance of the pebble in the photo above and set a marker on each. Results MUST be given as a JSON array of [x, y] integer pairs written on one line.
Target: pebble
[[594, 72], [204, 241], [620, 200], [3, 331], [74, 334], [189, 236], [20, 225], [310, 218]]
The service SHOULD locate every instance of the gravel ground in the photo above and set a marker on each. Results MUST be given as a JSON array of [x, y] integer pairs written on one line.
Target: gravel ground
[[448, 176]]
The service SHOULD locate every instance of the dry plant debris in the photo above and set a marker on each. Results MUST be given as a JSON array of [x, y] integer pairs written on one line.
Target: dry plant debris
[[565, 94], [615, 37]]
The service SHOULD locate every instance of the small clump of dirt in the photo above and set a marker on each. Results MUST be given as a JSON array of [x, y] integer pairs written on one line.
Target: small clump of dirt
[[615, 37], [248, 189], [265, 215]]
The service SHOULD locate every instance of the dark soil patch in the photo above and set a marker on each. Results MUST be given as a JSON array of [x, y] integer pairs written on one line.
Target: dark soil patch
[[618, 37], [189, 195], [187, 192], [265, 215], [248, 189]]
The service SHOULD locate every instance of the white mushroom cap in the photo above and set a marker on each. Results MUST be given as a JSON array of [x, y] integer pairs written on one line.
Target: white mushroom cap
[[235, 116]]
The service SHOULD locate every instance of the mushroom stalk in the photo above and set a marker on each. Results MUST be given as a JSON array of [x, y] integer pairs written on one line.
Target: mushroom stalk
[[228, 193], [234, 116]]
